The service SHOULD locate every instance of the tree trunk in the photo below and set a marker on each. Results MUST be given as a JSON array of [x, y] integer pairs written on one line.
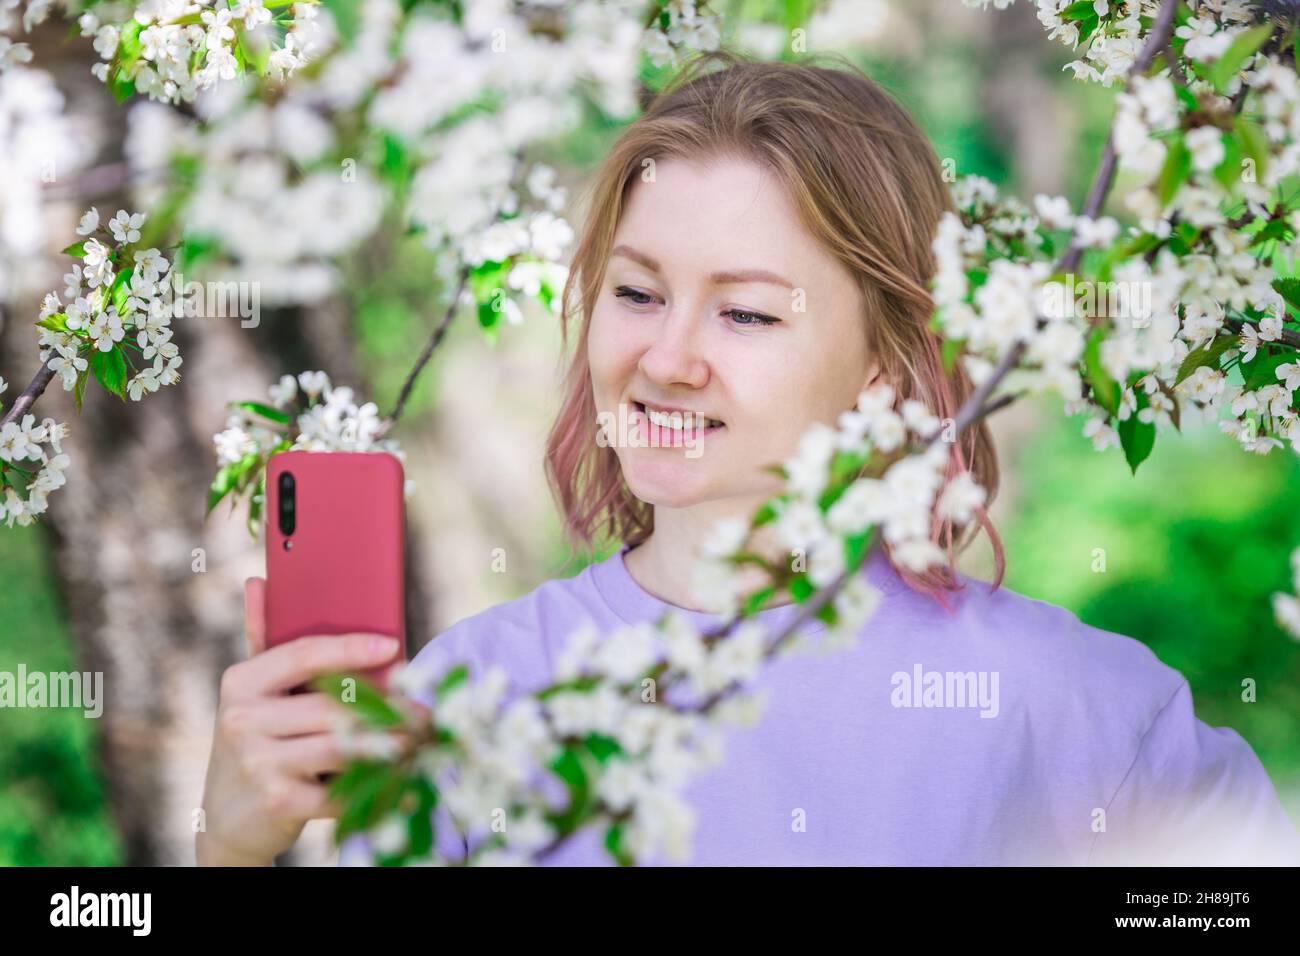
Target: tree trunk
[[153, 592]]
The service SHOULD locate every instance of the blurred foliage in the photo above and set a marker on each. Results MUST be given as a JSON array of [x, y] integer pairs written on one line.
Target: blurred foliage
[[52, 809], [1193, 545]]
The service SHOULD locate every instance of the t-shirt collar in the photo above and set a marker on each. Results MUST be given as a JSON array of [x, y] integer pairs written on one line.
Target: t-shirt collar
[[634, 604]]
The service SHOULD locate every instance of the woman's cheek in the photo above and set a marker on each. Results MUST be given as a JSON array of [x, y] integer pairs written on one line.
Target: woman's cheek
[[599, 358]]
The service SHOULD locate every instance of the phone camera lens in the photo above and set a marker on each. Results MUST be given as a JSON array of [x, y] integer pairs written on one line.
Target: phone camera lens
[[288, 488]]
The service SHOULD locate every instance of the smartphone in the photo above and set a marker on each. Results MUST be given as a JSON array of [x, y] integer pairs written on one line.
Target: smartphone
[[335, 548]]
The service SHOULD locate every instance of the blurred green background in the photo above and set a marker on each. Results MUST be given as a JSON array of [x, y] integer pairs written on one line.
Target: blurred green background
[[1194, 544]]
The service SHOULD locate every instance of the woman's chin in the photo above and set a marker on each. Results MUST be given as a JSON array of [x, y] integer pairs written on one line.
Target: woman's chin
[[670, 482]]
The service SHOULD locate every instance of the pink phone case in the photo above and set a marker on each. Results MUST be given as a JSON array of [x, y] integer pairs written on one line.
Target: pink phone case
[[342, 570]]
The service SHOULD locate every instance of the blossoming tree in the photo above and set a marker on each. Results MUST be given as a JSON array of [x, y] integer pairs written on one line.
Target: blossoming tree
[[1187, 312]]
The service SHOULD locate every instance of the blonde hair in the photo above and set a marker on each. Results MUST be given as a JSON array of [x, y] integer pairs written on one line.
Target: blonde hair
[[867, 185]]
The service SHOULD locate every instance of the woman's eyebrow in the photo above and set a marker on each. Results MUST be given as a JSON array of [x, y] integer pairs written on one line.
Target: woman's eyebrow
[[718, 278]]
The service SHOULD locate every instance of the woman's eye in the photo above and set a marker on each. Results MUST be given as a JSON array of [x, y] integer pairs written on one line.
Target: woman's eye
[[636, 296], [750, 318]]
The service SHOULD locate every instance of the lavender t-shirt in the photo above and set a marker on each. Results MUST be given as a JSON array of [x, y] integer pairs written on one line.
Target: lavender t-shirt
[[1001, 730]]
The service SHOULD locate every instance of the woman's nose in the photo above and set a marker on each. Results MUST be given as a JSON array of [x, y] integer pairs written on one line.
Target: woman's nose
[[674, 354]]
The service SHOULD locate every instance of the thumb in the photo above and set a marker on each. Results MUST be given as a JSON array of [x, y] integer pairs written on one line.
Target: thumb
[[255, 615]]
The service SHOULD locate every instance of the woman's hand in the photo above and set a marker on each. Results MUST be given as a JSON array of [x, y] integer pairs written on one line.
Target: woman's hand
[[269, 745]]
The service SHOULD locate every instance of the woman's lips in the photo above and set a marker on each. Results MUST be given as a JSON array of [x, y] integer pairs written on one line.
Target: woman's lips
[[664, 436]]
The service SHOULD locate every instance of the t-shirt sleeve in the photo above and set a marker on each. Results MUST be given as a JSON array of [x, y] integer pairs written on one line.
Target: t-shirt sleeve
[[432, 660], [1194, 795]]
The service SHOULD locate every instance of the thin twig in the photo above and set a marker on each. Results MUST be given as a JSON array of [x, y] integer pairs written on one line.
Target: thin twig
[[441, 330], [434, 340], [28, 396]]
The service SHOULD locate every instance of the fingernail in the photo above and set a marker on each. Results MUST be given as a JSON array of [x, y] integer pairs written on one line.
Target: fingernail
[[383, 646]]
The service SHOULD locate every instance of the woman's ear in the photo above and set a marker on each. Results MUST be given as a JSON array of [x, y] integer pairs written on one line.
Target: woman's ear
[[874, 373], [874, 376]]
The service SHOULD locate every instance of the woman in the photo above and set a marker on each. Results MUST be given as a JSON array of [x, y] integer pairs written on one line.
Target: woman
[[757, 253]]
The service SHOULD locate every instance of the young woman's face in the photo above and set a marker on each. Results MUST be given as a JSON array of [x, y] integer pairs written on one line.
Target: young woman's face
[[717, 301]]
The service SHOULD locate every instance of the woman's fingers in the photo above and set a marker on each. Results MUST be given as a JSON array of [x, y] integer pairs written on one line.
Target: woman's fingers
[[295, 662], [290, 716], [255, 615], [290, 798], [304, 757]]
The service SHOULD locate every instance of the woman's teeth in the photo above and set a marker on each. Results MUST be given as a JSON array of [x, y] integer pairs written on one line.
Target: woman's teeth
[[676, 419]]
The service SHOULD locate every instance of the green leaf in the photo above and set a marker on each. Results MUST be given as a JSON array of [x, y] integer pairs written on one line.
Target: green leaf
[[193, 249], [420, 832], [344, 13], [370, 704], [1228, 172], [488, 275], [454, 677], [122, 87], [1205, 356], [487, 315], [1178, 163], [1288, 287], [602, 748], [801, 589], [79, 390], [56, 323], [754, 603], [846, 464], [266, 411], [1105, 390], [579, 684], [614, 844], [1080, 10], [120, 290], [828, 614], [855, 548], [1254, 143], [951, 349], [109, 369], [395, 164], [1262, 369], [765, 515], [128, 43], [369, 791], [228, 477], [568, 766], [1087, 27], [1133, 246], [1239, 51], [77, 249], [1137, 438], [545, 293], [255, 502]]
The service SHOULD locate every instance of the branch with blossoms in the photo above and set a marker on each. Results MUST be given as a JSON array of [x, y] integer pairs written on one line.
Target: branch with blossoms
[[306, 413], [115, 328], [172, 50], [339, 141], [1186, 309]]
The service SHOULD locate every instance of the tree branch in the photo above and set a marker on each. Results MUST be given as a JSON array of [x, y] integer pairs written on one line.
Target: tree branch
[[1156, 40], [977, 404], [441, 330], [434, 340], [29, 395]]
